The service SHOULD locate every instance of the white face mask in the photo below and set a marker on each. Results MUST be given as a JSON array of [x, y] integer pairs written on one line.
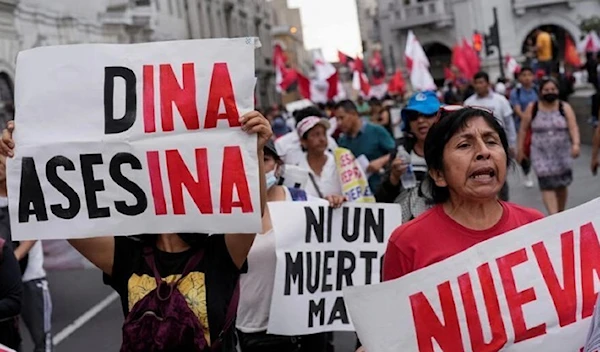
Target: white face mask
[[271, 179]]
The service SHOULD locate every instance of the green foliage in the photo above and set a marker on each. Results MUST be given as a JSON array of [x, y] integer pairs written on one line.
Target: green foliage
[[590, 24]]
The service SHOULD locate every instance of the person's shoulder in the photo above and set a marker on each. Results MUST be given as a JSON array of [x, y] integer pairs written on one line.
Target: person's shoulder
[[416, 229], [471, 99], [520, 211], [374, 127]]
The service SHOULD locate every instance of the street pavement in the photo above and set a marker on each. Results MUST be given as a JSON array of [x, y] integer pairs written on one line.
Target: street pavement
[[75, 292]]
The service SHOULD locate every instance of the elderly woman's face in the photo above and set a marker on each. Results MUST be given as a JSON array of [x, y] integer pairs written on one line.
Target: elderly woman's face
[[474, 162]]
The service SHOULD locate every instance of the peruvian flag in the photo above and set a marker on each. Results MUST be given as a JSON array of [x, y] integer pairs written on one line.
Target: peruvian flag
[[360, 82], [318, 91], [359, 65], [284, 77], [512, 66], [377, 68], [418, 63], [346, 60]]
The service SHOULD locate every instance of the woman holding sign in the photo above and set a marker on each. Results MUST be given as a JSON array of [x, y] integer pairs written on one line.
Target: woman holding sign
[[257, 284], [179, 292], [467, 156]]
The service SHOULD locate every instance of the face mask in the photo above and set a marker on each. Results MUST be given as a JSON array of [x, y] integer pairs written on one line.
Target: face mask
[[550, 98], [271, 179]]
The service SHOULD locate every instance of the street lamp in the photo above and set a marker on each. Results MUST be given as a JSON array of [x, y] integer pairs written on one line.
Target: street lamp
[[293, 30], [493, 39]]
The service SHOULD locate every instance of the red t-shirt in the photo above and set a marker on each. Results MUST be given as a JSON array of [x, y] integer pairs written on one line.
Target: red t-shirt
[[434, 236]]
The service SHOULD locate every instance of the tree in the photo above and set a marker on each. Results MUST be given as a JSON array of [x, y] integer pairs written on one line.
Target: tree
[[590, 24]]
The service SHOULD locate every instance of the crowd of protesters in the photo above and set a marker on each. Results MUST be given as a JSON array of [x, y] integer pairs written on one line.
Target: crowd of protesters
[[444, 158]]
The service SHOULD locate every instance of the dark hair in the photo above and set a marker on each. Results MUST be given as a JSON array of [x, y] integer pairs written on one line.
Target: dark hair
[[480, 75], [301, 114], [548, 79], [525, 69], [374, 101], [439, 135], [347, 105]]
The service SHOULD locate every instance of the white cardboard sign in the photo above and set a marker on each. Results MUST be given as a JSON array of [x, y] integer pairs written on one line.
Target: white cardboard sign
[[130, 139], [321, 250], [532, 289]]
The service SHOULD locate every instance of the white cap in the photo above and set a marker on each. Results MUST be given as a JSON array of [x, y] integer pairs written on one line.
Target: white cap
[[309, 123]]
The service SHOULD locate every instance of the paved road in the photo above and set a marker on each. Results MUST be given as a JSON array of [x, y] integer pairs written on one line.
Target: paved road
[[75, 292]]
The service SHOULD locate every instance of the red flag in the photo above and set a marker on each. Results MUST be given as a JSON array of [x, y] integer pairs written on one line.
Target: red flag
[[459, 61], [332, 90], [472, 58], [571, 55], [358, 65], [343, 58], [377, 68], [448, 74], [303, 86], [311, 89], [397, 84], [285, 76]]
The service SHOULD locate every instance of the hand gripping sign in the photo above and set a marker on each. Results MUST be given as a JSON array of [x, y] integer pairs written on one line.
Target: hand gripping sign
[[129, 139], [532, 289]]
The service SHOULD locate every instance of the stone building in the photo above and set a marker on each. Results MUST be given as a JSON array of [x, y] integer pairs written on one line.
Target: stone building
[[439, 24], [25, 24]]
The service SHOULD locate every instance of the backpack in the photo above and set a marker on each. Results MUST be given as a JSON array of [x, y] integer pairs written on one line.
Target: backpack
[[162, 321], [534, 111]]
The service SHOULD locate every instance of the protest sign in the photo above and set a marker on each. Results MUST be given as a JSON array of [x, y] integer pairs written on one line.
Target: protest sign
[[129, 139], [355, 185], [532, 289], [320, 250]]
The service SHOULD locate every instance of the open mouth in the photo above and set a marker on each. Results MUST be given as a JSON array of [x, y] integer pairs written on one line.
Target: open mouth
[[483, 174]]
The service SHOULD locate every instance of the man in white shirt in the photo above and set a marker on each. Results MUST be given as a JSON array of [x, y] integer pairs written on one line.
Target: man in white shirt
[[500, 106], [289, 147], [496, 103]]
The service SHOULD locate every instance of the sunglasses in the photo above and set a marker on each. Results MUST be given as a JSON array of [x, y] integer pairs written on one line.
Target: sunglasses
[[412, 115]]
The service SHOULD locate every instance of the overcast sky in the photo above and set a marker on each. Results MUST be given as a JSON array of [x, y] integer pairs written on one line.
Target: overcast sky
[[331, 25]]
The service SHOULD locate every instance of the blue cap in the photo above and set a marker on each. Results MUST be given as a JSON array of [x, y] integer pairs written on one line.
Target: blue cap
[[426, 103]]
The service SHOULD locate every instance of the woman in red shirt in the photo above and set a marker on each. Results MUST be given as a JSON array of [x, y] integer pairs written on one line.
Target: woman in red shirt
[[467, 156]]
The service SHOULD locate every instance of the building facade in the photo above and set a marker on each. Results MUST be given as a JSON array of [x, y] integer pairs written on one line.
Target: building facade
[[25, 24], [368, 22], [439, 24]]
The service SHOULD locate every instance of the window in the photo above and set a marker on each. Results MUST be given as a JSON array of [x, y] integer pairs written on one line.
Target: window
[[170, 2], [158, 5]]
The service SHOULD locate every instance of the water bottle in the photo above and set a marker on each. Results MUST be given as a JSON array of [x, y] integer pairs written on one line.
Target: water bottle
[[408, 177]]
